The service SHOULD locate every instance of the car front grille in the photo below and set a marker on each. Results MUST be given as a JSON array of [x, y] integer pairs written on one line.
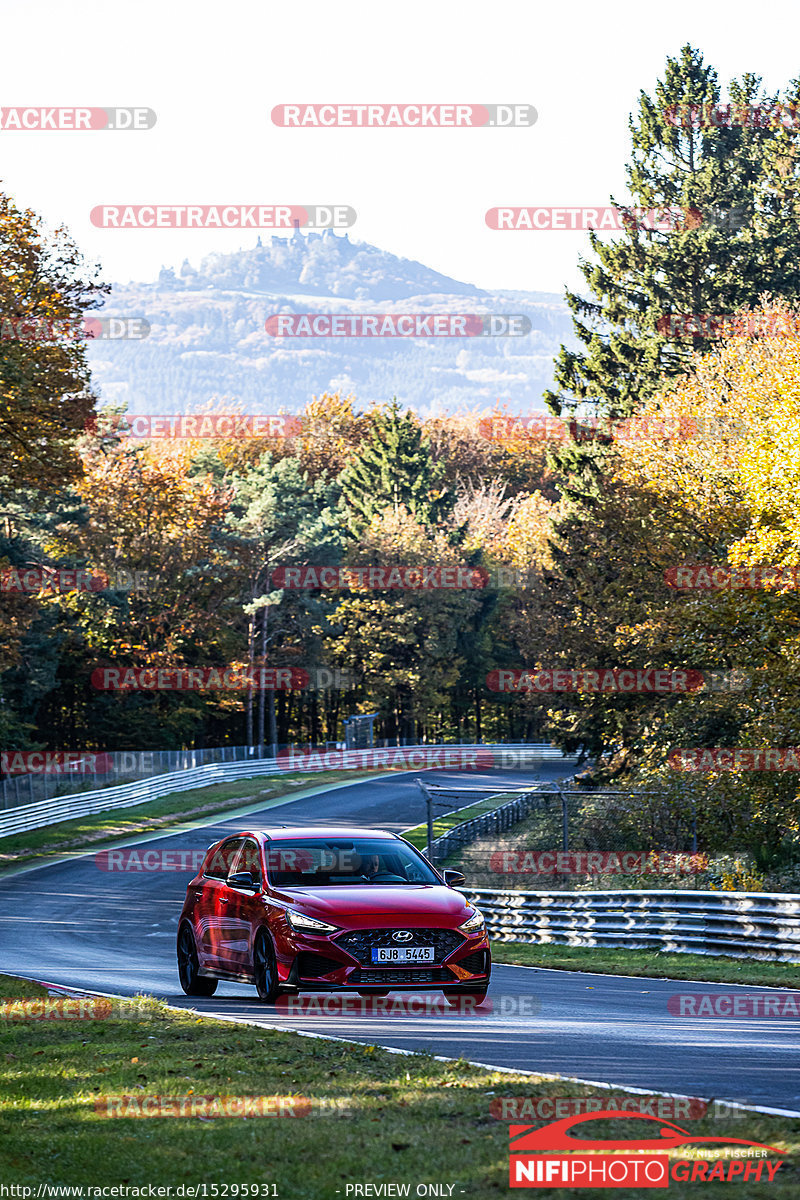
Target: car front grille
[[394, 976], [361, 942]]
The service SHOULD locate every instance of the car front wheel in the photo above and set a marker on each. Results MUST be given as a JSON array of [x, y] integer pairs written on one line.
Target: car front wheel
[[265, 969], [192, 982]]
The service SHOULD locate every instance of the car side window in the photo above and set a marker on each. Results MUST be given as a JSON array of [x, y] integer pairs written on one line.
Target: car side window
[[219, 865], [249, 860]]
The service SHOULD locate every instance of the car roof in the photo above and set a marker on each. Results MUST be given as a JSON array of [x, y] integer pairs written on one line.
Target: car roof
[[281, 833]]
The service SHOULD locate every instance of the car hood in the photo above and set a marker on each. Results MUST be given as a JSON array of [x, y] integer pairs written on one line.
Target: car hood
[[414, 901]]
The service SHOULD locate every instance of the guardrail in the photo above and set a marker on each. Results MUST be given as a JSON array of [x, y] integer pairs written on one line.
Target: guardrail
[[65, 808], [106, 769], [760, 925]]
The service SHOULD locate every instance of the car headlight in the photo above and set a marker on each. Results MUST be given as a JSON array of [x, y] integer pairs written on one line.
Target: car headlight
[[304, 924], [475, 923]]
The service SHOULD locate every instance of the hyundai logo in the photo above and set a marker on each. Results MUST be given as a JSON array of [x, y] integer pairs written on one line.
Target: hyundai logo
[[402, 935]]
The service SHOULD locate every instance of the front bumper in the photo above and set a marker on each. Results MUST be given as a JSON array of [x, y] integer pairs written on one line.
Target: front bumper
[[322, 964]]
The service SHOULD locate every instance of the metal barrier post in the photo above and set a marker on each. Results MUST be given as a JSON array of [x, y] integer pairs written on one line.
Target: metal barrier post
[[430, 851], [564, 822]]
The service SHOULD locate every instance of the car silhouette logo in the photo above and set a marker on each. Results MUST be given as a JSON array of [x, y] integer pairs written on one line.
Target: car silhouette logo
[[556, 1135], [402, 935]]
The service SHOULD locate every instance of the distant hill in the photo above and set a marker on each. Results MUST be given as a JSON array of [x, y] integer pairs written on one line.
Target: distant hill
[[208, 340]]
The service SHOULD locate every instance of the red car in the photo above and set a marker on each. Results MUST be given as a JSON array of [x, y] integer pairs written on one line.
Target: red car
[[328, 909]]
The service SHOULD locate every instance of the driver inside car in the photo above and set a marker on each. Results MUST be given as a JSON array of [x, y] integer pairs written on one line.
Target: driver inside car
[[371, 865]]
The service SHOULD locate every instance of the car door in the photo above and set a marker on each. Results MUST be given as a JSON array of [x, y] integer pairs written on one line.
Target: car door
[[213, 931], [244, 909]]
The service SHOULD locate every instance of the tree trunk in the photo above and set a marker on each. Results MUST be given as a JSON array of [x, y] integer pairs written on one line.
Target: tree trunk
[[273, 724]]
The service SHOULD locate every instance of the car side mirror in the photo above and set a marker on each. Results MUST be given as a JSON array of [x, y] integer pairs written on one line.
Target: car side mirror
[[243, 879], [454, 878]]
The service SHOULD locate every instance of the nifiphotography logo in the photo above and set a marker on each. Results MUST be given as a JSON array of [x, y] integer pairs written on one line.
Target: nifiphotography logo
[[598, 1163]]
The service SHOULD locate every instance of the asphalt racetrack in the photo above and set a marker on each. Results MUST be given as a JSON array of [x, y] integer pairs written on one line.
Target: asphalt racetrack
[[74, 924]]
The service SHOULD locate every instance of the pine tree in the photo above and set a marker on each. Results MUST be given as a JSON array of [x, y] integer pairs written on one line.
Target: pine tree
[[395, 469], [737, 185]]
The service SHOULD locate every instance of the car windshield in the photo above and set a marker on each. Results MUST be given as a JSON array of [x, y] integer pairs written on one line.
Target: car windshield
[[322, 862]]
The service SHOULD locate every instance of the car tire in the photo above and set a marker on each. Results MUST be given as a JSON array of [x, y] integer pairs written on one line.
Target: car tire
[[192, 982], [265, 968], [455, 996]]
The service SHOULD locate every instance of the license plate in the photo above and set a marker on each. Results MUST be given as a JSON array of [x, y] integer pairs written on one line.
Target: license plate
[[403, 954]]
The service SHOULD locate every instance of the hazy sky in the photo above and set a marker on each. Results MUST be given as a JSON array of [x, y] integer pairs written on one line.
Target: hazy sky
[[213, 73]]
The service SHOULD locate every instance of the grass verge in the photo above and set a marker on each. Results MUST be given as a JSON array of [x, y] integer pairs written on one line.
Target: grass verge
[[649, 963], [375, 1117], [174, 809]]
